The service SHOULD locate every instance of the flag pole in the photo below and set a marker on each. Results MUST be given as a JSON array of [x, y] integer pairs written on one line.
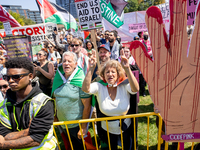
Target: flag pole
[[43, 18], [69, 15]]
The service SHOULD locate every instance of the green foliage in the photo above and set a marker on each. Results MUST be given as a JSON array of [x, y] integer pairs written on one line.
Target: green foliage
[[1, 25], [21, 19], [27, 21], [138, 5], [17, 17]]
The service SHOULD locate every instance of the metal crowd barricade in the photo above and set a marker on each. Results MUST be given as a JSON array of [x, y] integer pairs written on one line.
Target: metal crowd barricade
[[134, 116]]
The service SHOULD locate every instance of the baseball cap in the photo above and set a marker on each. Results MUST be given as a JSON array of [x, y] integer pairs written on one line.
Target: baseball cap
[[106, 46], [136, 37]]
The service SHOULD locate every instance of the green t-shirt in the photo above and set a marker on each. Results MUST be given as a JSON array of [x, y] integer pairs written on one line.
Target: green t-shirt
[[68, 103]]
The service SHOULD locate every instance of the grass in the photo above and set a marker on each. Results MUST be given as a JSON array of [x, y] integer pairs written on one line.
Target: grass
[[145, 105]]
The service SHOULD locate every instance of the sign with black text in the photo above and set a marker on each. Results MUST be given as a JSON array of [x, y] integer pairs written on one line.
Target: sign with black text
[[18, 46], [37, 32], [89, 14]]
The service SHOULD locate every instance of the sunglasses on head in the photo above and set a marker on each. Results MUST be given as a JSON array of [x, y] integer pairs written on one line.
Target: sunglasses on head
[[72, 45], [15, 77], [3, 86]]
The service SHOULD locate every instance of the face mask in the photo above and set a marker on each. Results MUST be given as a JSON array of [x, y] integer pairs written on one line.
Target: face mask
[[119, 40], [145, 37]]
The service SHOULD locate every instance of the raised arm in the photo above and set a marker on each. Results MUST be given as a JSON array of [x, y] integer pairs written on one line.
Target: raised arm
[[131, 78], [58, 45], [88, 77], [50, 41]]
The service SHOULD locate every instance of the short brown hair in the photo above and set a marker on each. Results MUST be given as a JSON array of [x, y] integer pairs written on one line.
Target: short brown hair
[[114, 64], [77, 40]]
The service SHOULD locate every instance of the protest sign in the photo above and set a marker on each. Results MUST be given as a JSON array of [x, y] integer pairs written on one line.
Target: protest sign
[[18, 46], [89, 14], [35, 50], [191, 7], [7, 28], [36, 32], [139, 27]]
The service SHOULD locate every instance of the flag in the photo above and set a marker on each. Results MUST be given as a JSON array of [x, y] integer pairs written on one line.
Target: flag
[[56, 14], [6, 17], [86, 35]]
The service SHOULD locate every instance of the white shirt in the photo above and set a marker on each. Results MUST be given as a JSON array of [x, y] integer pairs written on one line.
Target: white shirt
[[107, 106], [52, 57]]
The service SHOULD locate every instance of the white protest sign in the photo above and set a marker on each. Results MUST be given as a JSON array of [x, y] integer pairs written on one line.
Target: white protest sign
[[164, 8], [7, 28], [89, 14], [36, 32]]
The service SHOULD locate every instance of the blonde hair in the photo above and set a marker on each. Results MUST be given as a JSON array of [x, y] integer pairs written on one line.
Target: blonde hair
[[114, 64]]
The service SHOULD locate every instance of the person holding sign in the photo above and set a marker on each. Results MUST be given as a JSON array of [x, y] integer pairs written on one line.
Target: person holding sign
[[113, 97]]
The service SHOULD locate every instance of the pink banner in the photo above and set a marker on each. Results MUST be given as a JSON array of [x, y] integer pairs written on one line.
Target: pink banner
[[139, 27], [191, 7]]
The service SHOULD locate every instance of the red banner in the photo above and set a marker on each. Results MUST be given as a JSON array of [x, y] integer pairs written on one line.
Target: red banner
[[6, 17]]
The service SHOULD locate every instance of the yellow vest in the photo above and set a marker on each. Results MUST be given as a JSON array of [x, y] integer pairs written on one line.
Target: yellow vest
[[49, 141]]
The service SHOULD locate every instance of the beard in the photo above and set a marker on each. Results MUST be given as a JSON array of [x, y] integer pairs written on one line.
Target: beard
[[111, 40]]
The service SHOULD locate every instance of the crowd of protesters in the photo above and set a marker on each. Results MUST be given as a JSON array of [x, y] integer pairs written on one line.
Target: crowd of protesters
[[62, 82]]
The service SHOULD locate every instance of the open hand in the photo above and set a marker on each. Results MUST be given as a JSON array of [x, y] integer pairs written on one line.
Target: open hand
[[173, 77]]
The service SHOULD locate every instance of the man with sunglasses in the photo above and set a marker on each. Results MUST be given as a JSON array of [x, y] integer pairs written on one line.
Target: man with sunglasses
[[26, 115], [76, 47], [102, 40]]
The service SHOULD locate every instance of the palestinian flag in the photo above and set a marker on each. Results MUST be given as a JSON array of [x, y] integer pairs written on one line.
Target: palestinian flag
[[75, 79], [86, 35], [51, 12]]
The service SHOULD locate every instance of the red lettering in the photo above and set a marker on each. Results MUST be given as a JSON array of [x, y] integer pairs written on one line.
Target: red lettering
[[27, 31], [4, 34], [36, 30], [43, 29], [15, 30], [22, 31]]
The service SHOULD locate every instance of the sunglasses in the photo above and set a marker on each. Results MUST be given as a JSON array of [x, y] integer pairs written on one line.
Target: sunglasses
[[3, 86], [72, 45], [15, 77], [39, 54], [106, 34], [50, 46], [1, 59]]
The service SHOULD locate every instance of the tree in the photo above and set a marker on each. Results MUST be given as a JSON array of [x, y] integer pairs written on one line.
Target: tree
[[140, 5], [27, 21], [17, 17], [21, 19], [132, 6]]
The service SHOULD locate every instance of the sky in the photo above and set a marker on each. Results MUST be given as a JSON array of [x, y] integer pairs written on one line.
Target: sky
[[26, 4]]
